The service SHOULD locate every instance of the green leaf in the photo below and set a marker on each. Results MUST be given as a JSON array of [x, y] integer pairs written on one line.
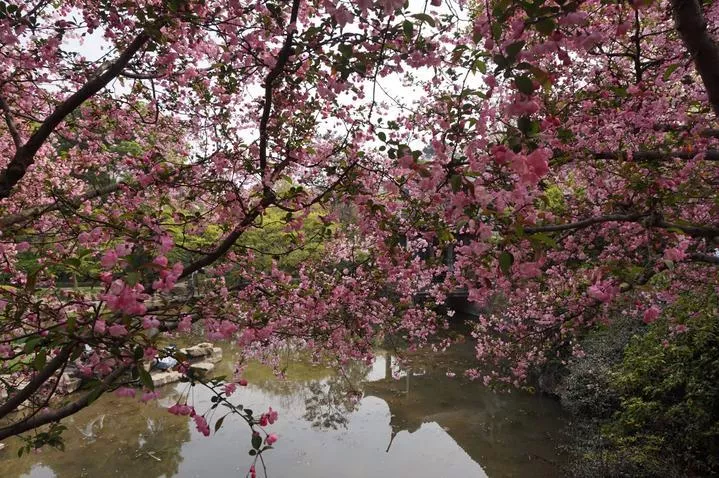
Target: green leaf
[[456, 181], [256, 442], [425, 18], [542, 238], [345, 49], [513, 50], [407, 29], [40, 359], [480, 66], [218, 423], [31, 343], [506, 259], [458, 51], [545, 26], [145, 377], [670, 69], [524, 84], [382, 136], [253, 452]]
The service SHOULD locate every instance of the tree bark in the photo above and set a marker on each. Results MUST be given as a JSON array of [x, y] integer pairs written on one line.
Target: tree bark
[[692, 27]]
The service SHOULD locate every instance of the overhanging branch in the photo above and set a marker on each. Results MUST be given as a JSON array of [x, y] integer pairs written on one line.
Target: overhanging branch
[[25, 155], [646, 219], [692, 27]]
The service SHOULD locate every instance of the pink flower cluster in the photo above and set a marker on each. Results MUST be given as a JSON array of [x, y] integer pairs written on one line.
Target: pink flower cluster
[[124, 298], [268, 418]]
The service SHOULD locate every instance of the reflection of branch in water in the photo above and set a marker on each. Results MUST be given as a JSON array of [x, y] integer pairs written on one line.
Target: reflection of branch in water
[[330, 403], [391, 439]]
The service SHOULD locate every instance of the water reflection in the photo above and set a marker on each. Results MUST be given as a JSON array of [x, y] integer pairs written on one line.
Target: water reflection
[[361, 422]]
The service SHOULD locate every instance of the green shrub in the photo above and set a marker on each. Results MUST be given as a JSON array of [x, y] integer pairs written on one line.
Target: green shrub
[[668, 386]]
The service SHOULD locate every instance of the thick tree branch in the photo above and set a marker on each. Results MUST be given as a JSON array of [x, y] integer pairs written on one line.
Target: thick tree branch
[[37, 381], [231, 238], [11, 126], [584, 223], [692, 26], [688, 229], [282, 59], [652, 156], [25, 155], [37, 211], [698, 257], [60, 413]]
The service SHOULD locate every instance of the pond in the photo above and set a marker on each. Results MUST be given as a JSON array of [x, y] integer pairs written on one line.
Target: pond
[[414, 420]]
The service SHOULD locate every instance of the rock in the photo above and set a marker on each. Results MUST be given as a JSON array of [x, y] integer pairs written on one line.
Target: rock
[[2, 446], [161, 377], [69, 384], [202, 369], [215, 356], [197, 351]]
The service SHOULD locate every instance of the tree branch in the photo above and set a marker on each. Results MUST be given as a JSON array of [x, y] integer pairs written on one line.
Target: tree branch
[[584, 223], [692, 27], [231, 238], [37, 381], [11, 126], [60, 413], [688, 229], [698, 257], [650, 156], [25, 155], [282, 59], [38, 211]]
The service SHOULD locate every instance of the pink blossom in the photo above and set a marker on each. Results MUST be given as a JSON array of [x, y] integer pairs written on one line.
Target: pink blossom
[[149, 395], [99, 327], [124, 298], [182, 410], [230, 388], [117, 330], [166, 243], [5, 350], [109, 259], [202, 425], [125, 392], [343, 16], [538, 161], [160, 261], [675, 254], [271, 438], [603, 291], [651, 314], [150, 322], [185, 324]]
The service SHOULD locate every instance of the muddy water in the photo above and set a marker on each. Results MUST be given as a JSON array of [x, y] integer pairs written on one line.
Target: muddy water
[[414, 420]]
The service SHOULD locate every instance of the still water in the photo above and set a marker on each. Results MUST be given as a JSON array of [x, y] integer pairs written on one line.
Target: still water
[[414, 420]]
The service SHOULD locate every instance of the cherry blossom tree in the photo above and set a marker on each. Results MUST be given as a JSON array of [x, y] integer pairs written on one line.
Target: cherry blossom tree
[[564, 151]]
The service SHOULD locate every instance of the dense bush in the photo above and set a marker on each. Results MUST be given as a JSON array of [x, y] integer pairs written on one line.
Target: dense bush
[[646, 398], [668, 384]]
